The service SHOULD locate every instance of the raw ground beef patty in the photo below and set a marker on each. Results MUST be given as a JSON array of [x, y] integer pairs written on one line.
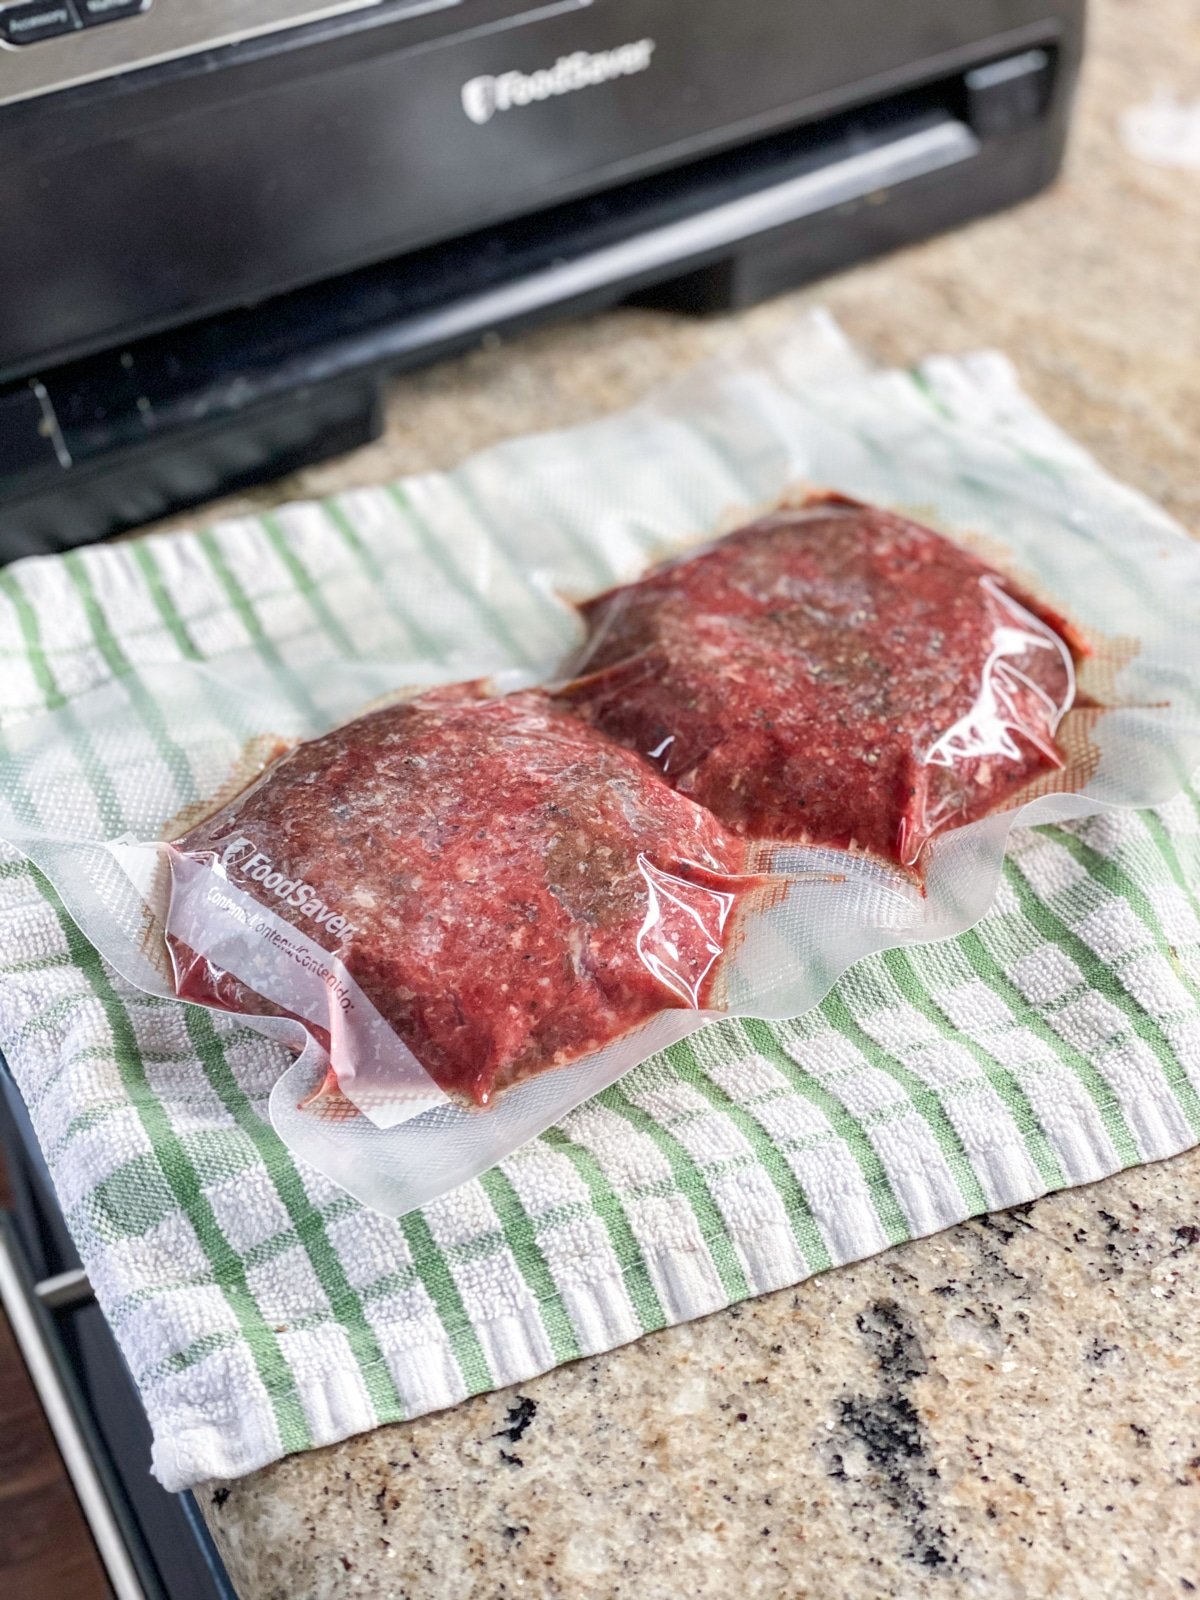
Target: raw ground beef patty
[[512, 889], [831, 674]]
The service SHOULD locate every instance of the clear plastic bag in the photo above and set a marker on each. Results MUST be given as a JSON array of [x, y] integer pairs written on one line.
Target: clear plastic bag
[[453, 894], [486, 561], [832, 674]]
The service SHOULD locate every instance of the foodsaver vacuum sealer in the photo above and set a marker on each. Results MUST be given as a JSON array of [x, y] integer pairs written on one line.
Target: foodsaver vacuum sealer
[[224, 222]]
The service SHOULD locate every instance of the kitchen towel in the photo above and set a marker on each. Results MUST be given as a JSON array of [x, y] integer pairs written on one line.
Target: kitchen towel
[[263, 1311]]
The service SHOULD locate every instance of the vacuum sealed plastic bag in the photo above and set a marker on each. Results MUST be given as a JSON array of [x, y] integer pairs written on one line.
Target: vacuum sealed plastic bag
[[462, 891], [832, 674], [472, 907], [512, 890]]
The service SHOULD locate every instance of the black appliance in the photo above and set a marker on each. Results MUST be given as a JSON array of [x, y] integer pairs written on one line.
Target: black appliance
[[222, 222], [153, 1545]]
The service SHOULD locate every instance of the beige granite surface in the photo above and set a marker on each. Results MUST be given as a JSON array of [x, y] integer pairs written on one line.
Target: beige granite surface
[[1011, 1409]]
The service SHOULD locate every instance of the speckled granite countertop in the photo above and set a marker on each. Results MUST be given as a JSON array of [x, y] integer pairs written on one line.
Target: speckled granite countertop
[[1006, 1410], [1009, 1409]]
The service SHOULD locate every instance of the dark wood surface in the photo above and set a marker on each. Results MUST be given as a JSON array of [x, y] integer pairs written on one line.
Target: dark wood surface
[[46, 1552]]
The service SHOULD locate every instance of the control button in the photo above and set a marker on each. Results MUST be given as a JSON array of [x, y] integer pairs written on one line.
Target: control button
[[32, 20], [92, 12]]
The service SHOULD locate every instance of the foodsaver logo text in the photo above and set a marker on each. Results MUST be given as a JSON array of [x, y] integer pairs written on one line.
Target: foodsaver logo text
[[483, 97], [294, 892]]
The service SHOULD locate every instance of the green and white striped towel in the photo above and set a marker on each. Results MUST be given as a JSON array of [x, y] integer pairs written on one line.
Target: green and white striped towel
[[264, 1311]]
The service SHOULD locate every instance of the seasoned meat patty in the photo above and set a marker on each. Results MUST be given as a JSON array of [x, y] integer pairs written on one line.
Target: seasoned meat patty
[[508, 887], [833, 674]]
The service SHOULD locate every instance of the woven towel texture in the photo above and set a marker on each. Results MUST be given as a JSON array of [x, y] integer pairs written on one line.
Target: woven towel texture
[[263, 1311]]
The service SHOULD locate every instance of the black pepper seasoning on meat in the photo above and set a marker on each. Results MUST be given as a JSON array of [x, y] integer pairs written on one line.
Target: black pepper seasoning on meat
[[520, 889], [834, 675]]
